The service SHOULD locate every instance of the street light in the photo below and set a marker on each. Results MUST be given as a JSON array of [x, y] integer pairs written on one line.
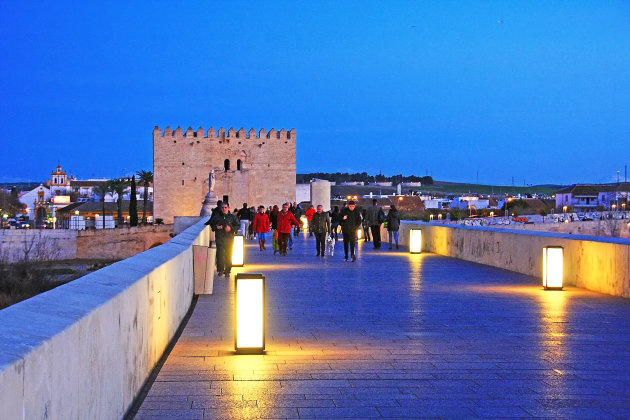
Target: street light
[[238, 251], [415, 241], [249, 313], [552, 267]]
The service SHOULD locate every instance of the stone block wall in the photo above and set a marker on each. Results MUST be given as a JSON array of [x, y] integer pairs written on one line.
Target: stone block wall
[[595, 263], [34, 244], [84, 350], [183, 160], [120, 243]]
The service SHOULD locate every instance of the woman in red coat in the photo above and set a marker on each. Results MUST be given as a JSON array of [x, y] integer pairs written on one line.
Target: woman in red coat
[[285, 220], [261, 227]]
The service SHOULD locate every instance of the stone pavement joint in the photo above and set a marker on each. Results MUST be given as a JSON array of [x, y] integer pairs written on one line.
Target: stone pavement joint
[[398, 335]]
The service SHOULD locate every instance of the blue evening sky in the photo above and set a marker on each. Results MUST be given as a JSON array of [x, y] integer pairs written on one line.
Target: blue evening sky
[[536, 90]]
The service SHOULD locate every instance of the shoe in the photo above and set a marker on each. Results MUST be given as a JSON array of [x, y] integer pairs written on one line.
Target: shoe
[[345, 258], [354, 258], [390, 247], [396, 246], [317, 254], [274, 252], [290, 248]]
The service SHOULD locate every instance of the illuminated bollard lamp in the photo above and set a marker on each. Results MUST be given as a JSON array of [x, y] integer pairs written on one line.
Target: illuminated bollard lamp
[[415, 241], [552, 267], [238, 251], [249, 304]]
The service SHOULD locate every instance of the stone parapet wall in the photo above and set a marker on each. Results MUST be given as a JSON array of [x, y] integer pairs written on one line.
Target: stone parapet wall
[[85, 349], [594, 263]]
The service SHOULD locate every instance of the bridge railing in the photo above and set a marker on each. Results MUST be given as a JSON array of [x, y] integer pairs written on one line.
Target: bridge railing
[[596, 263], [85, 349]]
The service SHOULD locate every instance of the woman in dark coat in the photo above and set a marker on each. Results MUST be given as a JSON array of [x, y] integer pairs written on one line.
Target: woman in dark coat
[[393, 224], [334, 222]]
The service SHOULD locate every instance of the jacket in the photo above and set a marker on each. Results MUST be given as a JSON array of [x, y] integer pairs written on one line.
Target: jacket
[[220, 235], [261, 223], [374, 215], [285, 221], [296, 211], [244, 213], [309, 213], [351, 223], [273, 218], [320, 223], [393, 221]]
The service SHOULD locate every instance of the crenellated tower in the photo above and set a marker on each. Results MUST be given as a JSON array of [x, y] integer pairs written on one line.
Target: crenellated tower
[[251, 167]]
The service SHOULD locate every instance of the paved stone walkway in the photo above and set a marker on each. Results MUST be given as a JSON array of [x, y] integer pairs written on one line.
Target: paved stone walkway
[[400, 335]]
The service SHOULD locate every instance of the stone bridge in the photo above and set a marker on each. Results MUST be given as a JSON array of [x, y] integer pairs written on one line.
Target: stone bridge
[[391, 335]]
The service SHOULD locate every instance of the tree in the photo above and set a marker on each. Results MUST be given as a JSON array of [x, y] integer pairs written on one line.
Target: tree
[[145, 179], [118, 186], [102, 189], [133, 204], [10, 205]]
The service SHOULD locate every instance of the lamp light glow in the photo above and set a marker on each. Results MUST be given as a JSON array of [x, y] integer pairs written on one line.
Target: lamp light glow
[[238, 251], [249, 301], [304, 221], [552, 267], [359, 234], [415, 241]]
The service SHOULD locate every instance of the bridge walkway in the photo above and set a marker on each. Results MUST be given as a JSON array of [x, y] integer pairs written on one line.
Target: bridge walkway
[[400, 335]]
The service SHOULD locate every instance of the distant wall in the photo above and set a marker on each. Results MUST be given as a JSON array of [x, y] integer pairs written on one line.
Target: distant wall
[[34, 244], [595, 263], [64, 244], [120, 243], [84, 349]]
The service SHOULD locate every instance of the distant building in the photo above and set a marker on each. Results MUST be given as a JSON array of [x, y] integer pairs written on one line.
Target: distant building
[[590, 197]]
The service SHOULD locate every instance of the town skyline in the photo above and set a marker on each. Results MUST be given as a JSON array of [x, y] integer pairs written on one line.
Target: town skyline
[[464, 93]]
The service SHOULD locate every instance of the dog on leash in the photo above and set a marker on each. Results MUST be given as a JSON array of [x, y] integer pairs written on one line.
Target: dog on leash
[[330, 245]]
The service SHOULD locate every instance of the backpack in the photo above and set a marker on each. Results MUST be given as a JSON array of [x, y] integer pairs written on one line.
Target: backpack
[[381, 216]]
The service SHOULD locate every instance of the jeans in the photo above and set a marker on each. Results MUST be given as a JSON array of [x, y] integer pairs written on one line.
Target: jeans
[[244, 227], [283, 238], [376, 235], [349, 242], [333, 230], [320, 243], [395, 235], [290, 240]]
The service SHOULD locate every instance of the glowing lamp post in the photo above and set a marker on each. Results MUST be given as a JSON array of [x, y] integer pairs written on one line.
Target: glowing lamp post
[[552, 267], [415, 241], [304, 221], [249, 311], [359, 234], [238, 251]]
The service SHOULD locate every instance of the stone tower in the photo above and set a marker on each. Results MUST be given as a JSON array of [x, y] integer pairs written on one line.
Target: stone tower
[[251, 167]]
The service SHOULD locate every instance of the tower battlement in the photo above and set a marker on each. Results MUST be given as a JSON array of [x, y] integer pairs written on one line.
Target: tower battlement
[[251, 166], [222, 134]]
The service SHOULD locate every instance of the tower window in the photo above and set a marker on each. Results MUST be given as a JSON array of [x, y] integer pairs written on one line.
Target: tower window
[[238, 165], [226, 164]]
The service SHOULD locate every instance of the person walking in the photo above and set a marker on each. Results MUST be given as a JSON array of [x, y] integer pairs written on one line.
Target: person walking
[[296, 210], [366, 227], [243, 215], [273, 219], [285, 220], [350, 220], [261, 227], [252, 216], [224, 225], [320, 225], [375, 217], [309, 216], [334, 223], [393, 224]]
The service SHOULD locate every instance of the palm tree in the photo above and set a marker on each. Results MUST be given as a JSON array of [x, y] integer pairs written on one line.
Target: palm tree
[[145, 179], [103, 189], [118, 186], [133, 204]]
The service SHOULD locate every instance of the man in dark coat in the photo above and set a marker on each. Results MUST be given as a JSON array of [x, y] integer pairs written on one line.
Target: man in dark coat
[[320, 226], [374, 217], [350, 220], [224, 225]]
